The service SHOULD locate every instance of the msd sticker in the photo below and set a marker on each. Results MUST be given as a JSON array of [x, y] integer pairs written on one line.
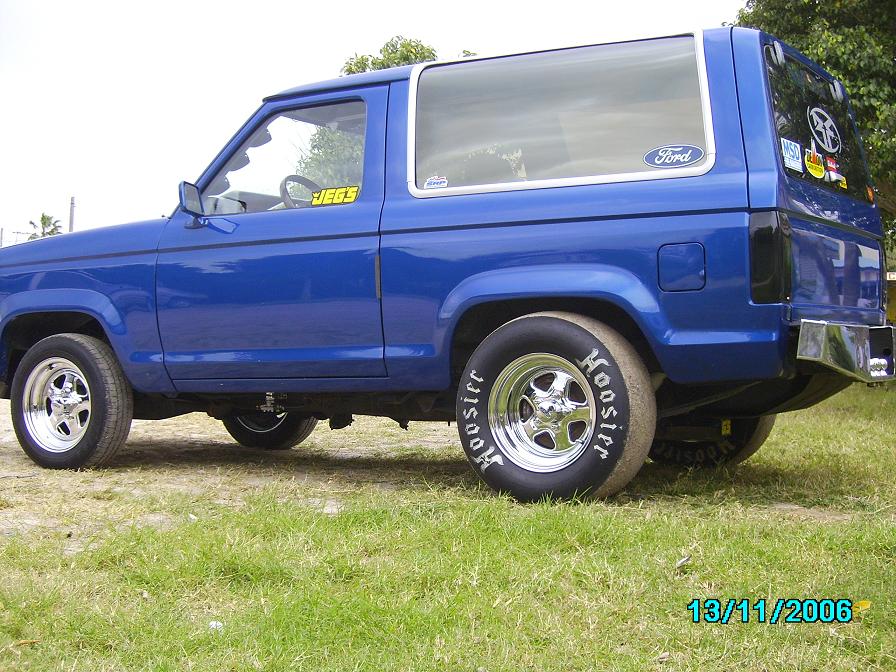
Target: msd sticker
[[673, 156], [793, 155], [435, 182]]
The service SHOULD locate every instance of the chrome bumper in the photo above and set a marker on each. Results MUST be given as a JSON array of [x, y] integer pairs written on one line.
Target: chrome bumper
[[858, 351]]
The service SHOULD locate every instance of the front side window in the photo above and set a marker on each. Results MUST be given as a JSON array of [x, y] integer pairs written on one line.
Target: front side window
[[630, 108], [299, 158]]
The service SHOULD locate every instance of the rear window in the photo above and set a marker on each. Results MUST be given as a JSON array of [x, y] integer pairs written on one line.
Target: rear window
[[632, 110], [817, 137]]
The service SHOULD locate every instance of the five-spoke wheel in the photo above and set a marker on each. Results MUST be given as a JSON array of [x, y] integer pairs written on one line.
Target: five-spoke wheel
[[542, 412], [57, 404]]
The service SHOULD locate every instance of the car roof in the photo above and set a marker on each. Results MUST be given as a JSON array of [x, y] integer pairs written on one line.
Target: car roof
[[404, 72], [348, 81]]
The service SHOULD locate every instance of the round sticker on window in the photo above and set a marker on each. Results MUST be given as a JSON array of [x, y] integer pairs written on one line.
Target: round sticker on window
[[824, 130]]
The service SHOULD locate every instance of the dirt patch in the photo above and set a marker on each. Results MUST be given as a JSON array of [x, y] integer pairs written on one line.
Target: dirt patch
[[821, 515], [171, 467]]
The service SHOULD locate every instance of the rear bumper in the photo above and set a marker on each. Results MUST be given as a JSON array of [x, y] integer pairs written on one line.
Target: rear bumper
[[858, 351]]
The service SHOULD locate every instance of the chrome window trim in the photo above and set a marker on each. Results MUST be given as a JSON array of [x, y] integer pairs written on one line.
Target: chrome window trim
[[664, 174]]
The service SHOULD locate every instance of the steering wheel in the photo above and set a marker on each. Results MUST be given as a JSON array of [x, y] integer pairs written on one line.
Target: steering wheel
[[284, 190]]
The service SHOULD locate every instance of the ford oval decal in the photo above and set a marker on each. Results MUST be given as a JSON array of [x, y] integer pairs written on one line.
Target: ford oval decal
[[673, 156]]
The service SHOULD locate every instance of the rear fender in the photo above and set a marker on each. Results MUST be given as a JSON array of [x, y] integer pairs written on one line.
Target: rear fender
[[589, 281]]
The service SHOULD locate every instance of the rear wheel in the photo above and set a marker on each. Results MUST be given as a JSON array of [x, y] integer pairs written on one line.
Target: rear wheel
[[71, 404], [270, 431], [556, 405], [745, 437]]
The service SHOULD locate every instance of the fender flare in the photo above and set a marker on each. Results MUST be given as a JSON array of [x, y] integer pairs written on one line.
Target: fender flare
[[96, 305], [604, 282]]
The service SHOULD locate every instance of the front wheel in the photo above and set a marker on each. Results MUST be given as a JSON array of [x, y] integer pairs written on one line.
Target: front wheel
[[71, 403], [556, 405], [269, 431]]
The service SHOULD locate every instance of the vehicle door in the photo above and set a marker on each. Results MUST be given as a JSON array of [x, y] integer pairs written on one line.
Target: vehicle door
[[277, 279]]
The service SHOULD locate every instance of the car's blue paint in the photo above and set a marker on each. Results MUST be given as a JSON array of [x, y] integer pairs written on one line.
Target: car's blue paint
[[287, 300], [108, 274], [757, 122], [681, 267], [818, 215], [346, 83], [832, 267]]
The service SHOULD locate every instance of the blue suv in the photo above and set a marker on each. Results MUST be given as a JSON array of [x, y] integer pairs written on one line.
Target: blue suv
[[584, 256]]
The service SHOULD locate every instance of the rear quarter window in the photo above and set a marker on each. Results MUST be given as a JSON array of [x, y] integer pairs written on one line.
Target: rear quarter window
[[602, 113], [817, 136]]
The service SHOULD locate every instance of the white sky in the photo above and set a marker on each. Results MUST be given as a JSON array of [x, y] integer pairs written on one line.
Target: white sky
[[116, 102]]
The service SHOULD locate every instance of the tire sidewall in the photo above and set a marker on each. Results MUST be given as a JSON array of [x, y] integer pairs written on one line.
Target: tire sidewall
[[584, 351], [83, 451]]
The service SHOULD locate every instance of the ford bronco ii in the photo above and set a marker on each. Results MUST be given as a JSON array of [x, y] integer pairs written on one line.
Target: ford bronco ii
[[584, 256]]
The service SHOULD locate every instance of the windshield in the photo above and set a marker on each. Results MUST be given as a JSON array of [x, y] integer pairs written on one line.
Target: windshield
[[816, 133]]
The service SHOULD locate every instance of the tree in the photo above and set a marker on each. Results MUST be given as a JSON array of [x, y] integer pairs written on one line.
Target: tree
[[397, 51], [854, 40], [47, 227], [334, 157]]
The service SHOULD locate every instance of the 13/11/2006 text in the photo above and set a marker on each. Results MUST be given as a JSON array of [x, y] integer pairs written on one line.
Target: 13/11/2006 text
[[782, 610]]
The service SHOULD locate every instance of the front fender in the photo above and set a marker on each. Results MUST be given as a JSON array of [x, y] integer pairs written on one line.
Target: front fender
[[139, 353]]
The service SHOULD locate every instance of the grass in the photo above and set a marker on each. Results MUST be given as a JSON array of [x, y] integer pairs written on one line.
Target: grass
[[433, 572]]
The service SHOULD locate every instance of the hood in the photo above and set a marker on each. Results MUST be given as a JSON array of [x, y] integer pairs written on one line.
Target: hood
[[107, 241]]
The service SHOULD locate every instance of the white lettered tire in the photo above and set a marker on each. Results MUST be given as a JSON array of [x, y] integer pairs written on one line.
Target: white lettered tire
[[745, 437], [556, 405]]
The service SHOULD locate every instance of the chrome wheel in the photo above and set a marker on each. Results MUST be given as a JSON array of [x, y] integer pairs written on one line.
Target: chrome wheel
[[542, 412], [57, 405], [261, 422]]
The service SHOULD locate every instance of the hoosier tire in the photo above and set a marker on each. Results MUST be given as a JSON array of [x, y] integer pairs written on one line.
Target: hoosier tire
[[70, 402], [270, 431], [747, 436], [556, 405]]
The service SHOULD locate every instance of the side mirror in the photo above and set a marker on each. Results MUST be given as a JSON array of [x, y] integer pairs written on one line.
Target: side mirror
[[191, 203]]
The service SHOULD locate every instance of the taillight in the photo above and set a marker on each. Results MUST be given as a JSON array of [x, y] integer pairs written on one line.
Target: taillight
[[770, 257]]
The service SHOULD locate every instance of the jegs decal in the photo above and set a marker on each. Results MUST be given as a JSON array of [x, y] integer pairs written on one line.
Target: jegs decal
[[335, 196]]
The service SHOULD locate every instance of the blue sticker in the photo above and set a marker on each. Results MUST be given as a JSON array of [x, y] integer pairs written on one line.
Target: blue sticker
[[793, 155], [673, 156], [435, 182]]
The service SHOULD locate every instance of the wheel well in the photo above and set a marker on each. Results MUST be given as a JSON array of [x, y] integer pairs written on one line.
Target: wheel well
[[26, 330], [481, 320]]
